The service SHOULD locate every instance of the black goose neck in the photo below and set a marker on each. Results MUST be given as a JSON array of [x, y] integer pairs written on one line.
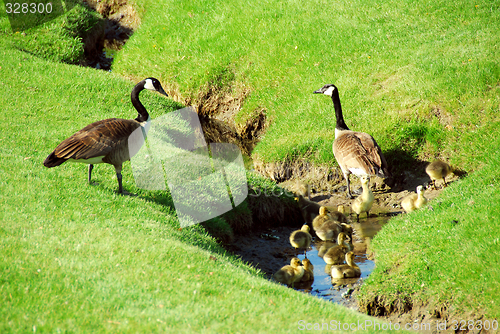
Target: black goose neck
[[141, 110], [338, 111]]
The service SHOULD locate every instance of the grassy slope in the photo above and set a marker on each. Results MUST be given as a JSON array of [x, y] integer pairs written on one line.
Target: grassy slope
[[447, 256], [428, 69], [79, 258]]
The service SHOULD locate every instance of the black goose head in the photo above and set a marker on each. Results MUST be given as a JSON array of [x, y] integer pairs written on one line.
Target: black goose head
[[327, 89], [154, 84]]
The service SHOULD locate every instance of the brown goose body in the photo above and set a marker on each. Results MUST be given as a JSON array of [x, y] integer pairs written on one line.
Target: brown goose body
[[105, 141], [356, 152]]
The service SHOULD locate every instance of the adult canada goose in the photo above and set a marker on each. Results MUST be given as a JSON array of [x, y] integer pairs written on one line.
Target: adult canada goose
[[414, 201], [438, 170], [364, 202], [356, 152], [336, 254], [105, 141], [291, 273], [301, 238], [348, 270]]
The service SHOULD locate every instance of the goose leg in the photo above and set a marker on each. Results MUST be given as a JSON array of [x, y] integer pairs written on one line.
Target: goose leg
[[349, 195], [444, 180], [118, 169], [90, 172]]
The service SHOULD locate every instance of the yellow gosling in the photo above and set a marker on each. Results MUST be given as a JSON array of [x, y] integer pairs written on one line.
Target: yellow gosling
[[291, 273], [308, 271], [348, 270], [322, 218], [414, 201], [336, 254], [438, 170], [301, 238], [364, 202], [329, 230], [336, 215]]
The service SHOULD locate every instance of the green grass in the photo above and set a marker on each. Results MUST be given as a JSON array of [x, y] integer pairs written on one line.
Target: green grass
[[448, 255], [80, 258], [422, 78], [430, 66]]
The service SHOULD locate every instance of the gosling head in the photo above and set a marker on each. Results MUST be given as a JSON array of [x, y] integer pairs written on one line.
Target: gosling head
[[326, 89], [365, 179], [305, 228], [295, 262], [307, 264], [420, 190], [322, 210]]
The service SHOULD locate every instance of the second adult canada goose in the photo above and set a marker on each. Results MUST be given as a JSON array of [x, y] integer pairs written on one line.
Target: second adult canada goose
[[414, 201], [438, 170], [364, 202], [356, 152], [105, 141]]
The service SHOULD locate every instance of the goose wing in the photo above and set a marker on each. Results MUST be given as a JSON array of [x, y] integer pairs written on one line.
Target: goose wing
[[94, 140], [360, 154]]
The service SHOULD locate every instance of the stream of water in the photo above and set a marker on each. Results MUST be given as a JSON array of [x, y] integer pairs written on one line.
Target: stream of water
[[339, 290]]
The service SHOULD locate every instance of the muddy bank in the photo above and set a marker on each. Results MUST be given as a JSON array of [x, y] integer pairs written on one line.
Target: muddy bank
[[120, 20], [268, 249]]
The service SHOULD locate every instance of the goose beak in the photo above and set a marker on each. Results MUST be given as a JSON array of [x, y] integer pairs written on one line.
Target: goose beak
[[319, 91], [161, 91]]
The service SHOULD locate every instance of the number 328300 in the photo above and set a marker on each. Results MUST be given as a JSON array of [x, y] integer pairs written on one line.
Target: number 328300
[[25, 8]]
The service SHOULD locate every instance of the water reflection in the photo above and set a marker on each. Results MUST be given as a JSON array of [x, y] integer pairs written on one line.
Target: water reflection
[[333, 290]]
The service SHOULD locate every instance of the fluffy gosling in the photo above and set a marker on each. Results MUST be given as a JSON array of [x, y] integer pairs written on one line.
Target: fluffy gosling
[[336, 254], [438, 170], [291, 273], [308, 271], [364, 202], [414, 201], [348, 270], [301, 238]]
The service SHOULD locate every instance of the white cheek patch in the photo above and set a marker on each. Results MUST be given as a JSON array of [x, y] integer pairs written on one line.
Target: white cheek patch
[[149, 84], [329, 91]]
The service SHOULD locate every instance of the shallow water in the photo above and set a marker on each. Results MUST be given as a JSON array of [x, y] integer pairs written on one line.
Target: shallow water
[[340, 289]]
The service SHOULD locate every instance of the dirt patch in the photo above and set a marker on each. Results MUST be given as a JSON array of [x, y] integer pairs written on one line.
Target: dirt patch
[[120, 21]]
